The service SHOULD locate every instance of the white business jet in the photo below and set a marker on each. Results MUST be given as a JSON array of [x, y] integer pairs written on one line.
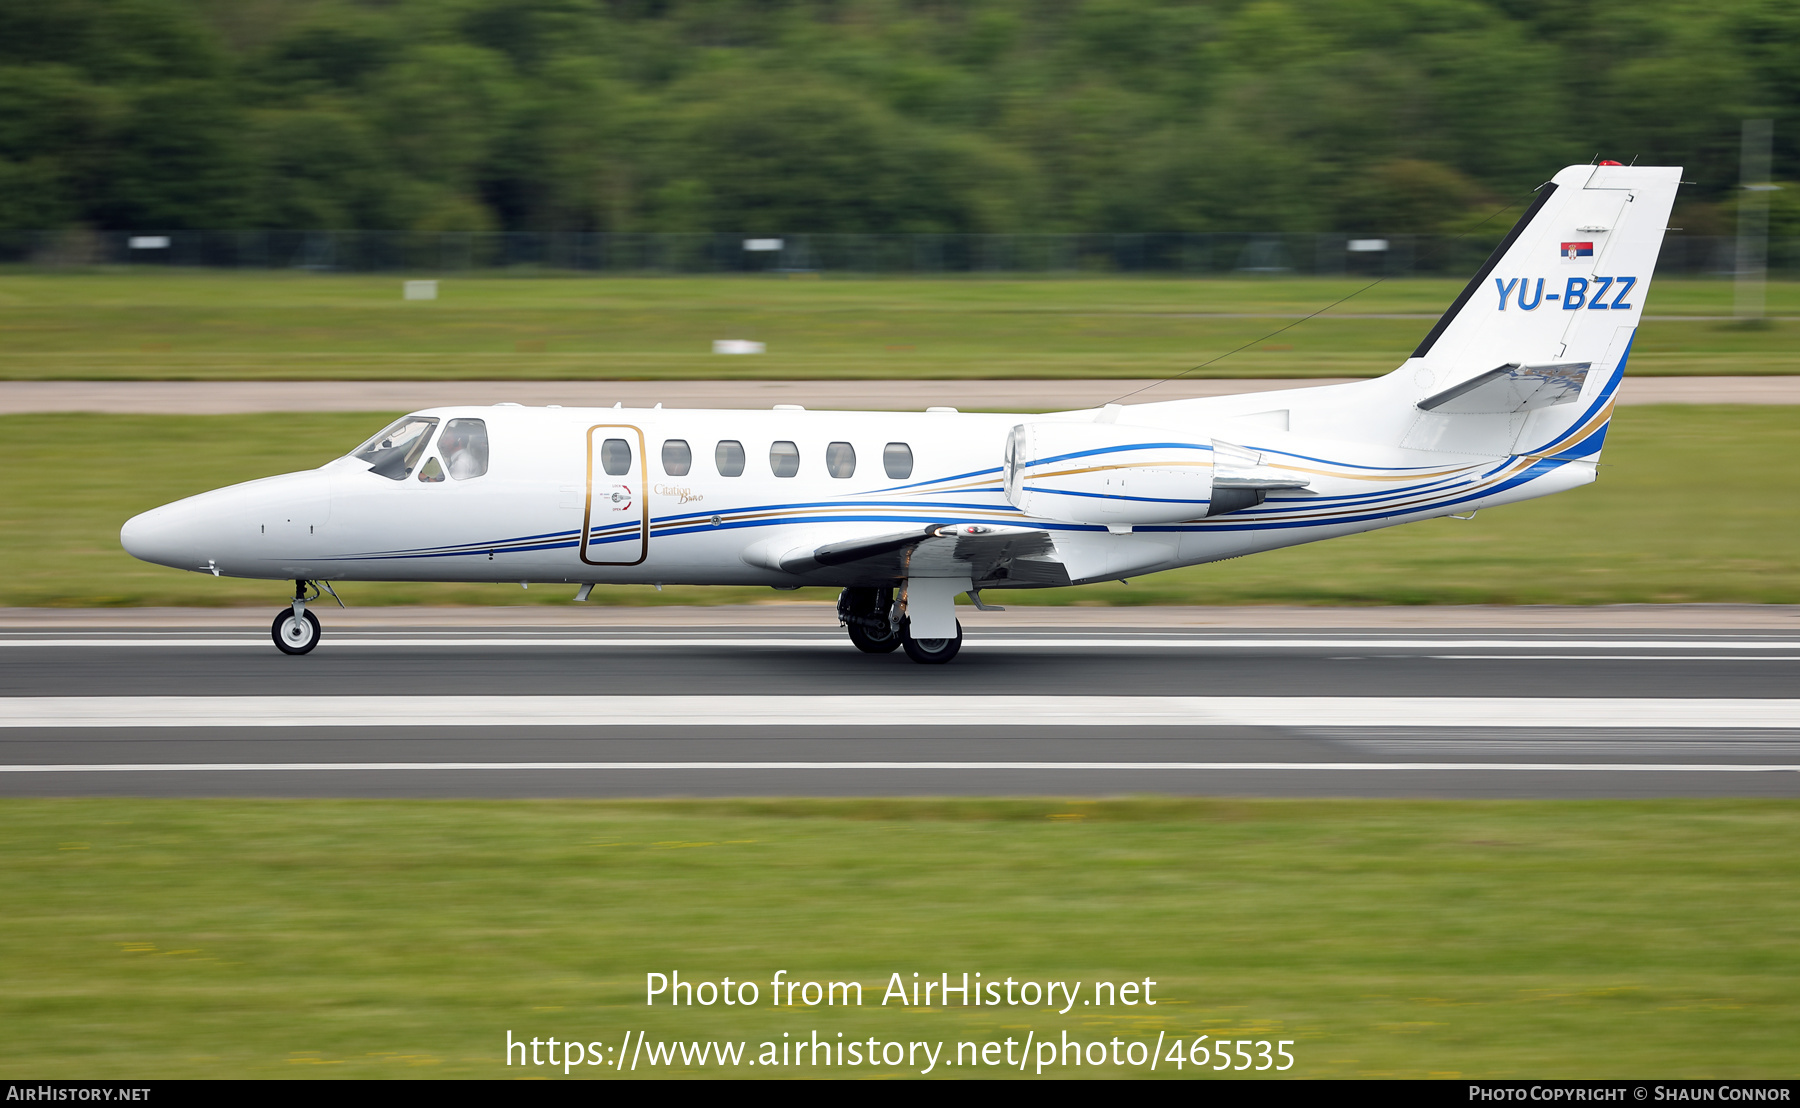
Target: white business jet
[[1507, 398]]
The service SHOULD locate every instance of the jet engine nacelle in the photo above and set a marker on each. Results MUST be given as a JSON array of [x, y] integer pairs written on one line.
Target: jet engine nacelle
[[1108, 473]]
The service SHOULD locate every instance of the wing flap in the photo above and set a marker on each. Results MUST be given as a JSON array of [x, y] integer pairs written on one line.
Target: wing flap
[[850, 551], [980, 551]]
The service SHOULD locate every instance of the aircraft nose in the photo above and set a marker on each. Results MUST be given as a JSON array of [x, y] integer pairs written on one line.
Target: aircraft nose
[[157, 536], [187, 534]]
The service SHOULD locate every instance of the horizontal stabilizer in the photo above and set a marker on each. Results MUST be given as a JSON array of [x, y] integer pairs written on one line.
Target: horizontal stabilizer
[[1511, 388]]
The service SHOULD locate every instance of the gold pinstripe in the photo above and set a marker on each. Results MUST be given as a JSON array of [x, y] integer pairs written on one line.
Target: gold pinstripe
[[1521, 463]]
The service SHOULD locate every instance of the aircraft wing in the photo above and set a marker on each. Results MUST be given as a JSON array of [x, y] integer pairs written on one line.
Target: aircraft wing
[[985, 552]]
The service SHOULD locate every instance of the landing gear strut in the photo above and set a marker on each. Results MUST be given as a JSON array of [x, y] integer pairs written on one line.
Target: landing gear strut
[[296, 630], [866, 615]]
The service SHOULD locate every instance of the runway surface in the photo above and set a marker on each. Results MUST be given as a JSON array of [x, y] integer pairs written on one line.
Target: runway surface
[[221, 397], [778, 710]]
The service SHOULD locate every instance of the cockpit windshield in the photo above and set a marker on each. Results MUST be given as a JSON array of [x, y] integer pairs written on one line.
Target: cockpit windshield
[[395, 451]]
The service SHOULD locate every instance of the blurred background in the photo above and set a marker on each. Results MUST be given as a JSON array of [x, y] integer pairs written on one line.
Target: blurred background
[[860, 117], [238, 236]]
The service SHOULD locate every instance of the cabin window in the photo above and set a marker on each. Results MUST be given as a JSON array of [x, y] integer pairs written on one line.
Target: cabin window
[[615, 457], [395, 451], [676, 457], [840, 460], [464, 448], [896, 458], [431, 473], [729, 457], [784, 458]]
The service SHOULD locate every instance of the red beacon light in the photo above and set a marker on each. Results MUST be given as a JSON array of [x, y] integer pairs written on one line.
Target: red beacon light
[[1612, 163]]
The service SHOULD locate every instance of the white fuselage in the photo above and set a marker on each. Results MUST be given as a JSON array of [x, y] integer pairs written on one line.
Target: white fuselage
[[545, 487]]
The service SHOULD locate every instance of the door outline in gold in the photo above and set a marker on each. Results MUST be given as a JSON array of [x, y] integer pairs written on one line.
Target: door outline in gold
[[642, 493]]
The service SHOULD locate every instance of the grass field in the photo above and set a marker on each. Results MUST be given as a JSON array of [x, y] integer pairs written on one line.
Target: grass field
[[211, 938], [221, 325], [1694, 504]]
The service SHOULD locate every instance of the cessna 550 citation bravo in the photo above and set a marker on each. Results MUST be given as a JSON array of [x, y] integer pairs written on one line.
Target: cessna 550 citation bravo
[[1507, 398]]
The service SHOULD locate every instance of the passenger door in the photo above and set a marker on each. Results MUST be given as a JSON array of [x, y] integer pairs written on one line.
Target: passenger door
[[615, 527]]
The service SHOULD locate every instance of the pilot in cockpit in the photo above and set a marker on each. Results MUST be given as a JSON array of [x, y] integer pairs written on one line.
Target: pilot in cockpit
[[463, 448]]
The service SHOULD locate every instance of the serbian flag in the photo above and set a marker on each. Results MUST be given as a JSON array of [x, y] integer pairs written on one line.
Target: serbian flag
[[1573, 250]]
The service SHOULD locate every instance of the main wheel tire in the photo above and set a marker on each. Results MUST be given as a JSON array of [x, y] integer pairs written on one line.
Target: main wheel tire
[[869, 643], [931, 652], [294, 636]]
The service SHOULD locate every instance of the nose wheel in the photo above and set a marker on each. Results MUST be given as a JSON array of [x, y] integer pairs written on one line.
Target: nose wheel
[[295, 634], [296, 630]]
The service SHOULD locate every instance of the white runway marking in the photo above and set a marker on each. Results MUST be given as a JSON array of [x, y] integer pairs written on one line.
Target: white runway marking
[[1505, 767], [914, 712], [974, 642], [1614, 658]]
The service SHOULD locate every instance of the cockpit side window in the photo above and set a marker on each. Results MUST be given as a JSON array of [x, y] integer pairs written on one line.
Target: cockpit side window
[[431, 473], [464, 448], [395, 451]]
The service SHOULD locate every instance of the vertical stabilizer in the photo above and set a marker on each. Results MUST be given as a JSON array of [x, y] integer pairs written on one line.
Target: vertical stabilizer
[[1558, 300]]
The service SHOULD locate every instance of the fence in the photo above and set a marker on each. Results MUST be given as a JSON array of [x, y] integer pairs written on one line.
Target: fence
[[659, 253]]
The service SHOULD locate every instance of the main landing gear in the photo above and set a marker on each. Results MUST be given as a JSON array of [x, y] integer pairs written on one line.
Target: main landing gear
[[931, 652], [875, 627], [867, 614], [296, 630]]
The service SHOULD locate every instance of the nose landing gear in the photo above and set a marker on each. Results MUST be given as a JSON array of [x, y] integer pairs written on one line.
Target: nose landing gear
[[295, 634], [296, 630]]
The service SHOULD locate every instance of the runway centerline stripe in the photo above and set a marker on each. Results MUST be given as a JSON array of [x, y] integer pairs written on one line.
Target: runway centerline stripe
[[877, 710], [1430, 767]]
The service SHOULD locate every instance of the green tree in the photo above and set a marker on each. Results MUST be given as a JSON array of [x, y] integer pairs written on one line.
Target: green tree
[[801, 156], [53, 137], [1407, 195], [866, 115], [177, 160]]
